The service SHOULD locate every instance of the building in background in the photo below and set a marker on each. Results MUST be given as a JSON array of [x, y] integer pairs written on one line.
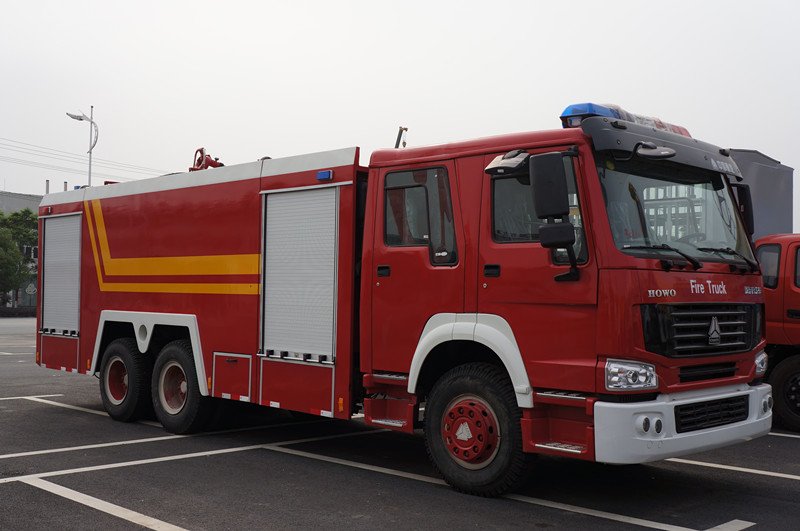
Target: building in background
[[11, 202]]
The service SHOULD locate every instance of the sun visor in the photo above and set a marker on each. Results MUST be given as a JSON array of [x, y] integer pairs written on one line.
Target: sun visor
[[618, 135]]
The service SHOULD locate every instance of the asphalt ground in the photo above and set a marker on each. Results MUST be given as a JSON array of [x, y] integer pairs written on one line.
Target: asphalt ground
[[64, 464]]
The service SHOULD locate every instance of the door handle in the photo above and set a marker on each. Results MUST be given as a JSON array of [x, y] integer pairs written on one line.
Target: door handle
[[231, 360], [491, 270], [384, 271], [793, 314]]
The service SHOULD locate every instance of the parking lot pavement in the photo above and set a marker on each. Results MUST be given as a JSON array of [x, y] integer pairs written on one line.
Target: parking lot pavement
[[65, 464]]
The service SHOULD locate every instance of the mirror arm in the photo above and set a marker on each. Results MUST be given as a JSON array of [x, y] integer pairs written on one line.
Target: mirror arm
[[574, 273]]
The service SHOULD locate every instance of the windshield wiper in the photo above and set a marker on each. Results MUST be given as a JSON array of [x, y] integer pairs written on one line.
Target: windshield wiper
[[697, 264], [727, 250]]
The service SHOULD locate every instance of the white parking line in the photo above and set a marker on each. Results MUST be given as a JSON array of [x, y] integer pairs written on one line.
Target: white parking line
[[733, 525], [137, 462], [68, 406], [778, 434], [104, 506], [736, 469], [27, 397], [156, 439], [15, 354]]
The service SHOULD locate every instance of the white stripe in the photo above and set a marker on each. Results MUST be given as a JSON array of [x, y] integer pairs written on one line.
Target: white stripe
[[736, 469], [27, 397], [68, 406], [104, 506], [791, 435], [279, 447], [15, 354], [157, 439], [238, 172], [131, 463], [172, 458], [271, 446], [733, 525]]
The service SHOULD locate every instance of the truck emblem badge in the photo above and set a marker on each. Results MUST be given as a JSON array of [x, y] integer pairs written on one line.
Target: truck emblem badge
[[464, 433], [714, 332]]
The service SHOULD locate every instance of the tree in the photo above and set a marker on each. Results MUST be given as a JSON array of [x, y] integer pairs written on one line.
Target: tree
[[19, 237], [13, 266]]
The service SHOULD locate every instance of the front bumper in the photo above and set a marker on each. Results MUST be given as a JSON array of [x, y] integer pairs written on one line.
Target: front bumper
[[619, 438]]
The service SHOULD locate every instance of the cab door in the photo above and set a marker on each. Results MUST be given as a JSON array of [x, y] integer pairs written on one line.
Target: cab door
[[552, 321], [417, 270], [791, 294], [769, 256]]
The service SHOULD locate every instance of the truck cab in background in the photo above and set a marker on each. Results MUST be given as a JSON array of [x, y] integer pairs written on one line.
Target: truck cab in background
[[779, 256]]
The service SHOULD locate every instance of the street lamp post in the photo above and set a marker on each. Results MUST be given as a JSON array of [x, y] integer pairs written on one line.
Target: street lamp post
[[94, 133]]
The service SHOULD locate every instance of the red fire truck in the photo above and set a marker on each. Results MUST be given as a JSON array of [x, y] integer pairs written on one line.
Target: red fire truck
[[587, 292]]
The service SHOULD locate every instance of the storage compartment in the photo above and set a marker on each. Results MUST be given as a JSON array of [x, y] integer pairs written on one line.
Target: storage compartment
[[61, 274], [232, 375], [60, 352], [297, 386]]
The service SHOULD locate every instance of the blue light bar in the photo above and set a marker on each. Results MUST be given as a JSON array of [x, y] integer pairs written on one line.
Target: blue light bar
[[325, 175], [574, 114]]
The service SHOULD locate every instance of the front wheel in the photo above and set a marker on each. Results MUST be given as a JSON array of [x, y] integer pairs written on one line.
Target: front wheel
[[472, 430], [177, 401], [785, 381]]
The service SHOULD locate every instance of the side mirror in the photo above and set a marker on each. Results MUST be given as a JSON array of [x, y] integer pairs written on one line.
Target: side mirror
[[551, 202], [745, 204], [549, 185]]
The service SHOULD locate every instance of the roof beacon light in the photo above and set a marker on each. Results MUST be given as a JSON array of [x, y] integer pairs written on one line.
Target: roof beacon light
[[574, 115]]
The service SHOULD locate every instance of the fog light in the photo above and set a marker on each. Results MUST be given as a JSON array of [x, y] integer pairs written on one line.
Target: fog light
[[643, 424], [659, 425], [761, 363], [769, 401]]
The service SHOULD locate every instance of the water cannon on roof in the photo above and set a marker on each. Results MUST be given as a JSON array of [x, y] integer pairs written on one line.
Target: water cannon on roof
[[574, 114]]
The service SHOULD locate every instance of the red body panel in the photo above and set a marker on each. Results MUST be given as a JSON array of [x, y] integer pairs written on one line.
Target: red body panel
[[59, 353]]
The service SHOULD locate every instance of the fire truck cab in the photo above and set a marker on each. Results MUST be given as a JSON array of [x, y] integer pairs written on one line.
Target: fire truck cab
[[586, 292]]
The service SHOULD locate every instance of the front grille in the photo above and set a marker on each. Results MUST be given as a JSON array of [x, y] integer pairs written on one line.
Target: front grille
[[698, 373], [702, 415], [690, 330]]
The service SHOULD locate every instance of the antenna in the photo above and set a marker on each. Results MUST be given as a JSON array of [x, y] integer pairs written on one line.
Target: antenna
[[400, 136]]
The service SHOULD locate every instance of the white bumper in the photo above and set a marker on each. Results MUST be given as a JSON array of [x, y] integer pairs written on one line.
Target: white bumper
[[620, 439]]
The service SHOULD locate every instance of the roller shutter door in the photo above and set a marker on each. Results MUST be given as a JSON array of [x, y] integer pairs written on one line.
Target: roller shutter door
[[300, 272], [62, 274]]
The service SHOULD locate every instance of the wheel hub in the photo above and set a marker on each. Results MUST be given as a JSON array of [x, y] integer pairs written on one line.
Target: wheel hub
[[172, 388], [470, 432], [116, 381]]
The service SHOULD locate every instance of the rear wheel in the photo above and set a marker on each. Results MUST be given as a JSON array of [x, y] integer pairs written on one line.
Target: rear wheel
[[472, 430], [124, 380], [785, 381], [177, 401]]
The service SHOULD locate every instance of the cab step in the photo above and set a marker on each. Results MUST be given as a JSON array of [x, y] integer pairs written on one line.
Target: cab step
[[567, 448]]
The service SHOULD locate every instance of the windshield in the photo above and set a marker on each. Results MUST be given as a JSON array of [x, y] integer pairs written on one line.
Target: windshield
[[652, 203]]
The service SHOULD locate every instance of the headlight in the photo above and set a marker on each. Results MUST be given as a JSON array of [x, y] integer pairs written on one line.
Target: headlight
[[624, 375], [761, 363]]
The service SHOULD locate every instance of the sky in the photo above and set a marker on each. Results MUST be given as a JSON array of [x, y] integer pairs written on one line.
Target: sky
[[253, 79]]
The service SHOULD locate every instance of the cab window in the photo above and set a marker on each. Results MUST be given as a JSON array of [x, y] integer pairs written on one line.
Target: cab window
[[418, 212], [769, 257], [514, 218]]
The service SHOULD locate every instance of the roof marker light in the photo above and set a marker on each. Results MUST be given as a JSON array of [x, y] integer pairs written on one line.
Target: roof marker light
[[574, 114], [325, 175]]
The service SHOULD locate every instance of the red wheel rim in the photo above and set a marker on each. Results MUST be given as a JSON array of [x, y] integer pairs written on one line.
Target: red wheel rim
[[172, 388], [116, 381], [470, 432]]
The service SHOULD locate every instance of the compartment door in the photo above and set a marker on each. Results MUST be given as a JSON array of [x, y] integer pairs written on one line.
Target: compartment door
[[61, 292]]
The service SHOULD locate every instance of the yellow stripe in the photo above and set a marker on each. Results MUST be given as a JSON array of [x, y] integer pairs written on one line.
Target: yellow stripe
[[156, 287], [224, 264]]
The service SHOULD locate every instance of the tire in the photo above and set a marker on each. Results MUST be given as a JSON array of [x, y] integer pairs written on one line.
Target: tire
[[473, 433], [177, 401], [125, 381], [785, 381]]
